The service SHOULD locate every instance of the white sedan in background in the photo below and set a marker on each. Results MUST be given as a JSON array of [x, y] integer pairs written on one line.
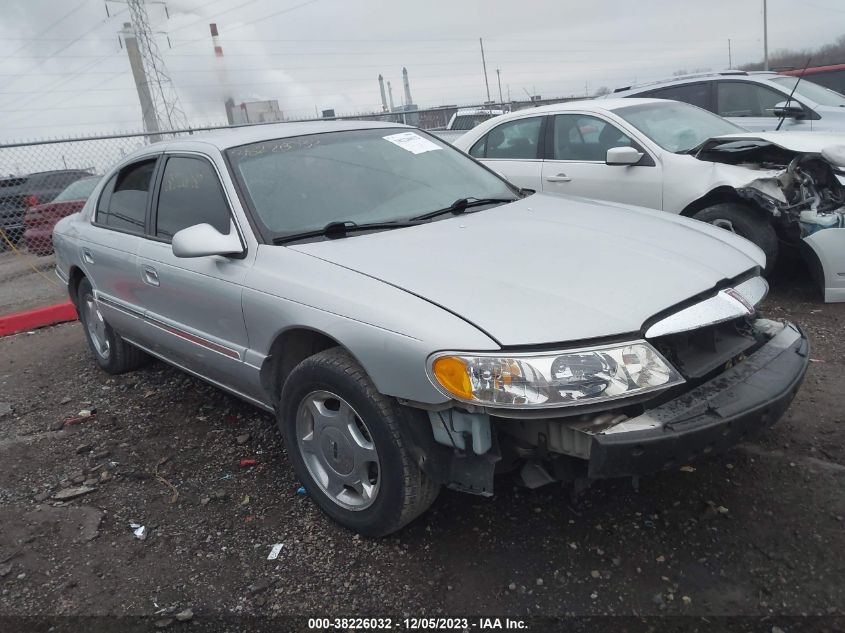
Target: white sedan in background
[[766, 187]]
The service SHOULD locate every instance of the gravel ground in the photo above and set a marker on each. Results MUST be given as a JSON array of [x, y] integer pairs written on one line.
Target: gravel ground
[[27, 282], [756, 532]]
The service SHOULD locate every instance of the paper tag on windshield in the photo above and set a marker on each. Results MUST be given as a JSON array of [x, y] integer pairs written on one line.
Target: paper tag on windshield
[[412, 142]]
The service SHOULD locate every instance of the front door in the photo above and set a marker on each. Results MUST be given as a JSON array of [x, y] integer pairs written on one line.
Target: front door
[[576, 165], [195, 303], [752, 106]]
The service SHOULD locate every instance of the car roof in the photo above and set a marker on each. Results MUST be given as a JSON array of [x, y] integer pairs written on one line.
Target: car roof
[[737, 75], [581, 104], [233, 137]]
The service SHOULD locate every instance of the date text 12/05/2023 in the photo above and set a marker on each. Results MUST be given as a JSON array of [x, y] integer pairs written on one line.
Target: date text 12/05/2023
[[417, 624]]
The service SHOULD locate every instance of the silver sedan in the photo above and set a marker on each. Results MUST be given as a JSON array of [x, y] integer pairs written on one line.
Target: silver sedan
[[413, 320]]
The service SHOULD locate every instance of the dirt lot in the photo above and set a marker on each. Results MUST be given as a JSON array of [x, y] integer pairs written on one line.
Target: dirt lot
[[756, 532], [28, 282]]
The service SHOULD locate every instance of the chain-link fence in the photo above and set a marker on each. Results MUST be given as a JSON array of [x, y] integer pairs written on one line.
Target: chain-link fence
[[46, 180]]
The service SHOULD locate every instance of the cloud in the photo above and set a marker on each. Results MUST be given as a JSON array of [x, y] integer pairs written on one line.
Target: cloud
[[74, 78]]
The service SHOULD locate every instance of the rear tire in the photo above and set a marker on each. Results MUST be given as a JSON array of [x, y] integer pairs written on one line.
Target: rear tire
[[343, 439], [112, 353], [746, 222]]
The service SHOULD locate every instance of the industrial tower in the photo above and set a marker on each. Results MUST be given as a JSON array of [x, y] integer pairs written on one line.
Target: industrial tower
[[160, 106]]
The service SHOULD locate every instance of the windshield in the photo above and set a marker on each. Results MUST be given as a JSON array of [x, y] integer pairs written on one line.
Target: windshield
[[677, 127], [79, 190], [303, 183], [811, 91]]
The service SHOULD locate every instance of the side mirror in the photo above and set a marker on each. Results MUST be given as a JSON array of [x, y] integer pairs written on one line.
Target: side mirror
[[623, 156], [789, 110], [202, 240]]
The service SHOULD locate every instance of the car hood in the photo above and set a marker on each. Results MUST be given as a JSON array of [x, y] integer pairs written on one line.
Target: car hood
[[799, 142], [549, 269]]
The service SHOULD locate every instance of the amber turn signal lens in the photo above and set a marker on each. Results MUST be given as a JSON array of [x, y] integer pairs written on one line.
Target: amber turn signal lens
[[452, 375]]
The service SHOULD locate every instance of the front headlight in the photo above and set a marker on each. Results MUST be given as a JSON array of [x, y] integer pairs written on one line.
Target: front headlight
[[552, 379]]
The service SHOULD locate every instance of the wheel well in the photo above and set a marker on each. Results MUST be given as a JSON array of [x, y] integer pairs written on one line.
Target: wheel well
[[289, 349], [716, 196], [814, 264], [74, 278]]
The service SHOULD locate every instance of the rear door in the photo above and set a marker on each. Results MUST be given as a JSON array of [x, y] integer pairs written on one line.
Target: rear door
[[514, 150], [194, 304], [109, 247], [576, 148]]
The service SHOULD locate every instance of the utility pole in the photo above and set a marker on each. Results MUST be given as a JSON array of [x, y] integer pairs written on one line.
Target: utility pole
[[765, 36], [499, 78], [730, 59], [484, 64]]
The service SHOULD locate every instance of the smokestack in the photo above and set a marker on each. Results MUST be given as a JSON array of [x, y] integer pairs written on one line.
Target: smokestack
[[222, 76], [408, 100], [390, 95], [383, 98], [218, 50], [148, 112]]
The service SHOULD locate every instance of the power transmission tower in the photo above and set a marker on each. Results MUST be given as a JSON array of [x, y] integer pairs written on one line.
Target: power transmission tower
[[155, 87]]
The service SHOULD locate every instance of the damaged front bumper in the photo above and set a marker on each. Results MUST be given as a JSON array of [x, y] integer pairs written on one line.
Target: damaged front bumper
[[736, 405], [711, 417]]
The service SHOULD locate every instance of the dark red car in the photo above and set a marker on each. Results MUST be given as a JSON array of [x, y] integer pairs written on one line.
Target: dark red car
[[832, 76], [41, 218]]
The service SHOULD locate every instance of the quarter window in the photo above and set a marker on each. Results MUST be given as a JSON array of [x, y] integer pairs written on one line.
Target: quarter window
[[744, 99], [518, 139], [190, 194], [123, 204], [586, 138]]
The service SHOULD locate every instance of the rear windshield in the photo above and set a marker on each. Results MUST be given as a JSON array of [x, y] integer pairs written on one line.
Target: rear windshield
[[79, 190]]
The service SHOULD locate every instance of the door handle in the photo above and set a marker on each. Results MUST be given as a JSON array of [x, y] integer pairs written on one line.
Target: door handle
[[150, 276], [87, 256], [561, 177]]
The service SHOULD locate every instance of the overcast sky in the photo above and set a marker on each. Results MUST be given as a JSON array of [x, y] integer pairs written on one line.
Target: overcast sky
[[64, 72]]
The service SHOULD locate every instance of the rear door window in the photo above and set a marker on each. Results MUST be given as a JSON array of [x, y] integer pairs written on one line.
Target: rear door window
[[123, 204]]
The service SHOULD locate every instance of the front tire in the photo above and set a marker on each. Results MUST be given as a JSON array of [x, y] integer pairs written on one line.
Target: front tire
[[112, 353], [746, 222], [343, 439]]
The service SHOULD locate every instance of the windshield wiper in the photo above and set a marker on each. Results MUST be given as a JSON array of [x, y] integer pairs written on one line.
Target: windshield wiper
[[334, 230], [460, 205]]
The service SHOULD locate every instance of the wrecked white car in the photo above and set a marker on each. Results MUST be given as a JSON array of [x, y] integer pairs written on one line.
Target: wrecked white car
[[771, 188], [799, 182]]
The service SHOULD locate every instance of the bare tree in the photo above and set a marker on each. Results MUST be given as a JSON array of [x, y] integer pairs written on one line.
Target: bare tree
[[788, 59]]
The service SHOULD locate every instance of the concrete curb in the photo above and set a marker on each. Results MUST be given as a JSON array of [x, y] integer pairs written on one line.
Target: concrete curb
[[39, 317]]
